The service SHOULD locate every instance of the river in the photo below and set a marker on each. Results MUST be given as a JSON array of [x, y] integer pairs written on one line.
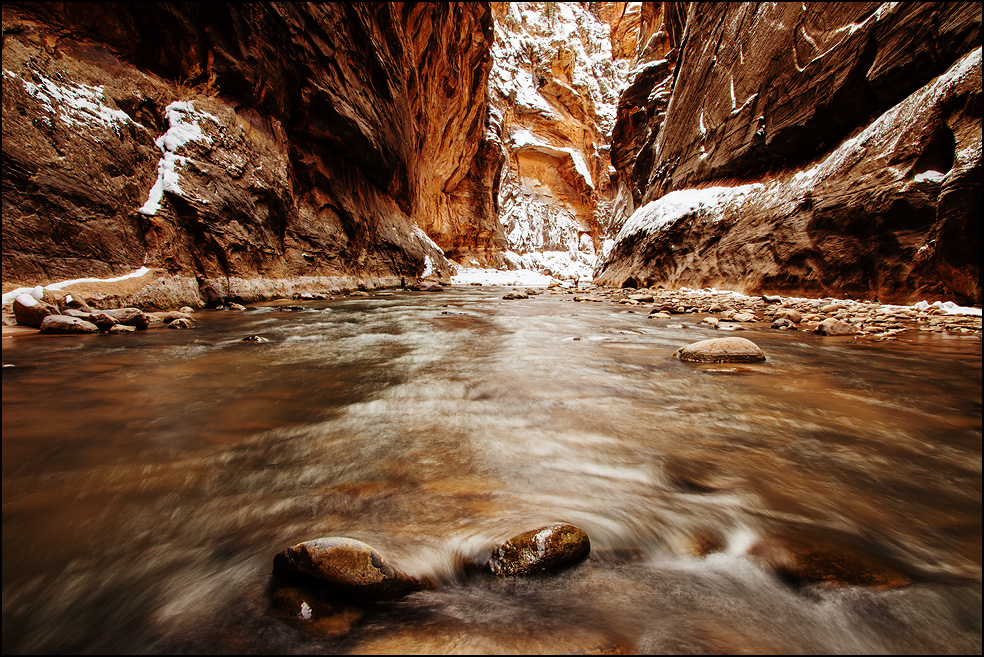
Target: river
[[149, 480]]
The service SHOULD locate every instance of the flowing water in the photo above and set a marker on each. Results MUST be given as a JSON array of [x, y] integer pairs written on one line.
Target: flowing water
[[148, 481]]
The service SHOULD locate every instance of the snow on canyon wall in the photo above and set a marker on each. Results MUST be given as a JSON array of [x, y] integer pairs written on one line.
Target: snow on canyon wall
[[822, 148]]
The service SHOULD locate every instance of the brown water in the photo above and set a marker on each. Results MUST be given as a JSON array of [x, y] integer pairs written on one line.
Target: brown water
[[148, 481]]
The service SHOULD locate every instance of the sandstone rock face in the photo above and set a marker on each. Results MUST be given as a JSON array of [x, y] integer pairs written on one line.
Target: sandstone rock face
[[231, 142], [554, 85], [346, 566], [824, 148]]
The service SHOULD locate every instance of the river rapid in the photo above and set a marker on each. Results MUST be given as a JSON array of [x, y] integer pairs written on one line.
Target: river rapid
[[149, 480]]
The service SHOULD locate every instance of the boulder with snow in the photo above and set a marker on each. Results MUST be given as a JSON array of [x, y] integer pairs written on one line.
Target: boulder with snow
[[30, 311]]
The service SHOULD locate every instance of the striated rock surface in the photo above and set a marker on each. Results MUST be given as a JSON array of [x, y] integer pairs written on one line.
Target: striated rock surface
[[824, 148], [229, 141]]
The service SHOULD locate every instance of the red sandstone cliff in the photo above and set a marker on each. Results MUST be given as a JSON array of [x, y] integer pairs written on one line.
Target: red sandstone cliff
[[308, 141], [861, 122]]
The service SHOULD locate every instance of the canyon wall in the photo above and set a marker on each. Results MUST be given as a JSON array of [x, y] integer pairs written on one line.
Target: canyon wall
[[557, 69], [244, 142], [822, 148]]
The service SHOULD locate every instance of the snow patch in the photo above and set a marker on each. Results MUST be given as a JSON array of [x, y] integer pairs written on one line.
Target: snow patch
[[698, 204], [57, 286], [184, 121], [74, 104], [949, 307]]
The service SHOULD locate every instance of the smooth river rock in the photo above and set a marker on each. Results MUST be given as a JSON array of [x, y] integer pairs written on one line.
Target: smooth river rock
[[721, 350], [66, 324], [548, 548], [348, 567]]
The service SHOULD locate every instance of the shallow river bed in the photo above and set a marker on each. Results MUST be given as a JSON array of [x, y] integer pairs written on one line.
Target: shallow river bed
[[149, 479]]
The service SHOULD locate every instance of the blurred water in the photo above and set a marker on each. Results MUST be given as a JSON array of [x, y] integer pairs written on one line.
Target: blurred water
[[148, 480]]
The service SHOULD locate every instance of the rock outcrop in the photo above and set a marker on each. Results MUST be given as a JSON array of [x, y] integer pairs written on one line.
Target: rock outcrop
[[822, 148], [236, 142]]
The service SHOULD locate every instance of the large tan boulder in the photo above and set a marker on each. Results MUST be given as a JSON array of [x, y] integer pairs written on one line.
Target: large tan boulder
[[721, 350]]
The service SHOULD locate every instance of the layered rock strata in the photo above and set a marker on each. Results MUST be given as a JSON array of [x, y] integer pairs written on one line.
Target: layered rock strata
[[820, 148], [224, 142]]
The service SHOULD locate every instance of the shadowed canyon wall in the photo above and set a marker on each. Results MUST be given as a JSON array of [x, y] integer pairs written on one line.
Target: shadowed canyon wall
[[822, 148], [239, 141]]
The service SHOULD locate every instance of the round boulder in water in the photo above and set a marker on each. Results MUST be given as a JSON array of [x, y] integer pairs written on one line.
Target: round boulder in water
[[553, 547], [346, 566], [67, 325], [721, 350]]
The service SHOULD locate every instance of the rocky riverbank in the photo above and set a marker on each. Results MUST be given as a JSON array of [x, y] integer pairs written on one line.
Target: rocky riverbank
[[733, 311]]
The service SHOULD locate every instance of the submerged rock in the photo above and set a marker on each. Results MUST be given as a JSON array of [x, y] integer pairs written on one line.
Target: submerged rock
[[802, 561], [254, 338], [306, 610], [548, 548], [346, 566], [721, 350]]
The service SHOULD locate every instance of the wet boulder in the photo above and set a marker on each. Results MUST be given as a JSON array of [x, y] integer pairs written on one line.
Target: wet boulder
[[721, 350], [121, 328], [100, 319], [181, 323], [834, 326], [66, 325], [548, 548], [516, 294], [130, 316], [790, 314], [30, 311], [346, 566], [783, 323], [171, 315]]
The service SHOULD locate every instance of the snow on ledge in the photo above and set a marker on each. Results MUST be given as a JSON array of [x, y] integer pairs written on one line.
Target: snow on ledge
[[57, 286]]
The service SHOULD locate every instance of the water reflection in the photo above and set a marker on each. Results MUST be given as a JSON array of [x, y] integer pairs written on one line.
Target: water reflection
[[149, 480]]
